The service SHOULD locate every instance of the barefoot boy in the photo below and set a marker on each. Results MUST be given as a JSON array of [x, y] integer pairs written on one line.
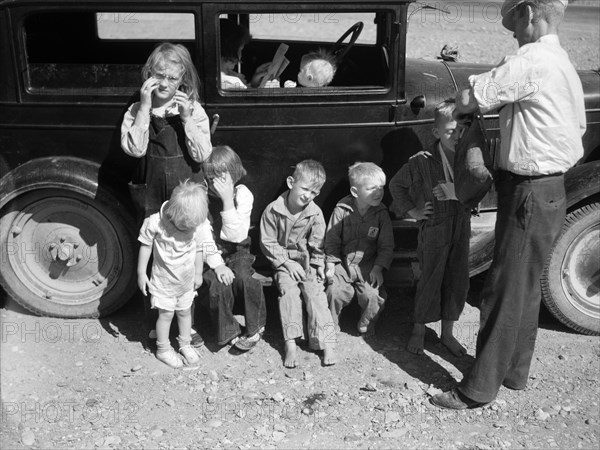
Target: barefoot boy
[[292, 230], [359, 244], [443, 247]]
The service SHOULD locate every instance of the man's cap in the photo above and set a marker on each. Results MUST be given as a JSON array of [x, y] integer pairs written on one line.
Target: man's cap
[[509, 7]]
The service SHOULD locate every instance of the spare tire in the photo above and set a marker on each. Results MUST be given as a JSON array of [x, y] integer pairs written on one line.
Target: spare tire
[[571, 280]]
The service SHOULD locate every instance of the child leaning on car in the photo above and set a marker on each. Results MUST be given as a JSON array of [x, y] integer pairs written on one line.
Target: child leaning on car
[[423, 188]]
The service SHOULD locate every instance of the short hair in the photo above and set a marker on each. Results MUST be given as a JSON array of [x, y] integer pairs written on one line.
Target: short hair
[[233, 36], [188, 206], [311, 171], [551, 11], [223, 159], [175, 54], [359, 172], [443, 111], [321, 65]]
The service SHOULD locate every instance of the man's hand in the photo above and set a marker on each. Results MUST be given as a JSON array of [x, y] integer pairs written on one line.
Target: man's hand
[[295, 269], [143, 283], [466, 106], [376, 276], [224, 274], [422, 213]]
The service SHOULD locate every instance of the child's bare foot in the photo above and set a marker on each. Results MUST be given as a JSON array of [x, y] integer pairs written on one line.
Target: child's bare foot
[[290, 354], [417, 339], [453, 345], [329, 358]]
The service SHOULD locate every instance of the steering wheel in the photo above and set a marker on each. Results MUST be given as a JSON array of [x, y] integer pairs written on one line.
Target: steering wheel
[[339, 49]]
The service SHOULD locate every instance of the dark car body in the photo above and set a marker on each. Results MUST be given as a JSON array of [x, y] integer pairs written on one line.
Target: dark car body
[[64, 89]]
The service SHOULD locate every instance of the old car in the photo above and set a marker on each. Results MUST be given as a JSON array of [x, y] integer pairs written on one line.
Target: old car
[[71, 68]]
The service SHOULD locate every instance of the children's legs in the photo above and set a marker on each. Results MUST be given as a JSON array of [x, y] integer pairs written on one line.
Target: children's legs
[[321, 328], [163, 327], [290, 306], [455, 284], [449, 340], [371, 302], [417, 339], [184, 322], [220, 302], [339, 295], [251, 291]]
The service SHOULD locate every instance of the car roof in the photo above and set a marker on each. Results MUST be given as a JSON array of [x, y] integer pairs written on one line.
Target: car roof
[[116, 2]]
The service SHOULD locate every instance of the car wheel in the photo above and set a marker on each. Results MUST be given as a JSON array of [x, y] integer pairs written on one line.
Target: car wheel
[[66, 254], [571, 280]]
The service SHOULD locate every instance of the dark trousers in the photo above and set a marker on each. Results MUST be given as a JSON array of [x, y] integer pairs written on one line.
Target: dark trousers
[[221, 299], [531, 213], [443, 252]]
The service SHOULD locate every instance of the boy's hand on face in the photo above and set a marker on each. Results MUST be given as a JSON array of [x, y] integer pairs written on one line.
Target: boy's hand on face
[[422, 213], [224, 274], [376, 277], [223, 186], [143, 283], [295, 269], [148, 87], [184, 103]]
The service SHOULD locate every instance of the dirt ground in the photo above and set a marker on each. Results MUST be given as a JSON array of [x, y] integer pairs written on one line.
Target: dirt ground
[[96, 384]]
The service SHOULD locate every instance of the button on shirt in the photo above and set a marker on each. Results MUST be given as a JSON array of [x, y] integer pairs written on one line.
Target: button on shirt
[[542, 110]]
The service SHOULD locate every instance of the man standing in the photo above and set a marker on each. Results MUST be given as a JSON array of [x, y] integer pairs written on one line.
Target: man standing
[[542, 118]]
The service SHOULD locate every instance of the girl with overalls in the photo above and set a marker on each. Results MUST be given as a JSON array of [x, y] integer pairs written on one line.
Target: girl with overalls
[[168, 130]]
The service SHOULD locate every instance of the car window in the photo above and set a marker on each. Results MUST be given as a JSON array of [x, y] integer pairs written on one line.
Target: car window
[[96, 53], [299, 51]]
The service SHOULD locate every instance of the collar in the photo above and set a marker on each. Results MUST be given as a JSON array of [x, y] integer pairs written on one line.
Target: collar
[[280, 207], [349, 204], [551, 39]]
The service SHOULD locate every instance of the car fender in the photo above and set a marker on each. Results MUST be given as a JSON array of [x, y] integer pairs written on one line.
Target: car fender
[[70, 173], [581, 182]]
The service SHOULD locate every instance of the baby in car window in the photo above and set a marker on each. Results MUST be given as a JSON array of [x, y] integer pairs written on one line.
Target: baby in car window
[[316, 70]]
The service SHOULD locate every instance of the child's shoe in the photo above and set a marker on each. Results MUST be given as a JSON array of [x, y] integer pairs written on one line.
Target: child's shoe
[[197, 340], [190, 355], [170, 358]]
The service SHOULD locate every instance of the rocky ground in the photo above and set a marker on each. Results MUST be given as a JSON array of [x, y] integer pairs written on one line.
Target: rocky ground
[[96, 384]]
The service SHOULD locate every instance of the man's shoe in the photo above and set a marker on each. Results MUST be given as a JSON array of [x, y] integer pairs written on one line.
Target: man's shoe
[[454, 400], [247, 343]]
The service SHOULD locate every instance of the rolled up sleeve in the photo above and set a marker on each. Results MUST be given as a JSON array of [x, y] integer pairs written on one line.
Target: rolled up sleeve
[[197, 132], [134, 138]]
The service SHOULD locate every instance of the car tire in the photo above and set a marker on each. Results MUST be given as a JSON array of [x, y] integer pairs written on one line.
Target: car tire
[[67, 253], [571, 279]]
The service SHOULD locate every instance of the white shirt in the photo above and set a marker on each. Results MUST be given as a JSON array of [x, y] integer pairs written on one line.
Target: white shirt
[[236, 221], [174, 254], [134, 139], [542, 110]]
